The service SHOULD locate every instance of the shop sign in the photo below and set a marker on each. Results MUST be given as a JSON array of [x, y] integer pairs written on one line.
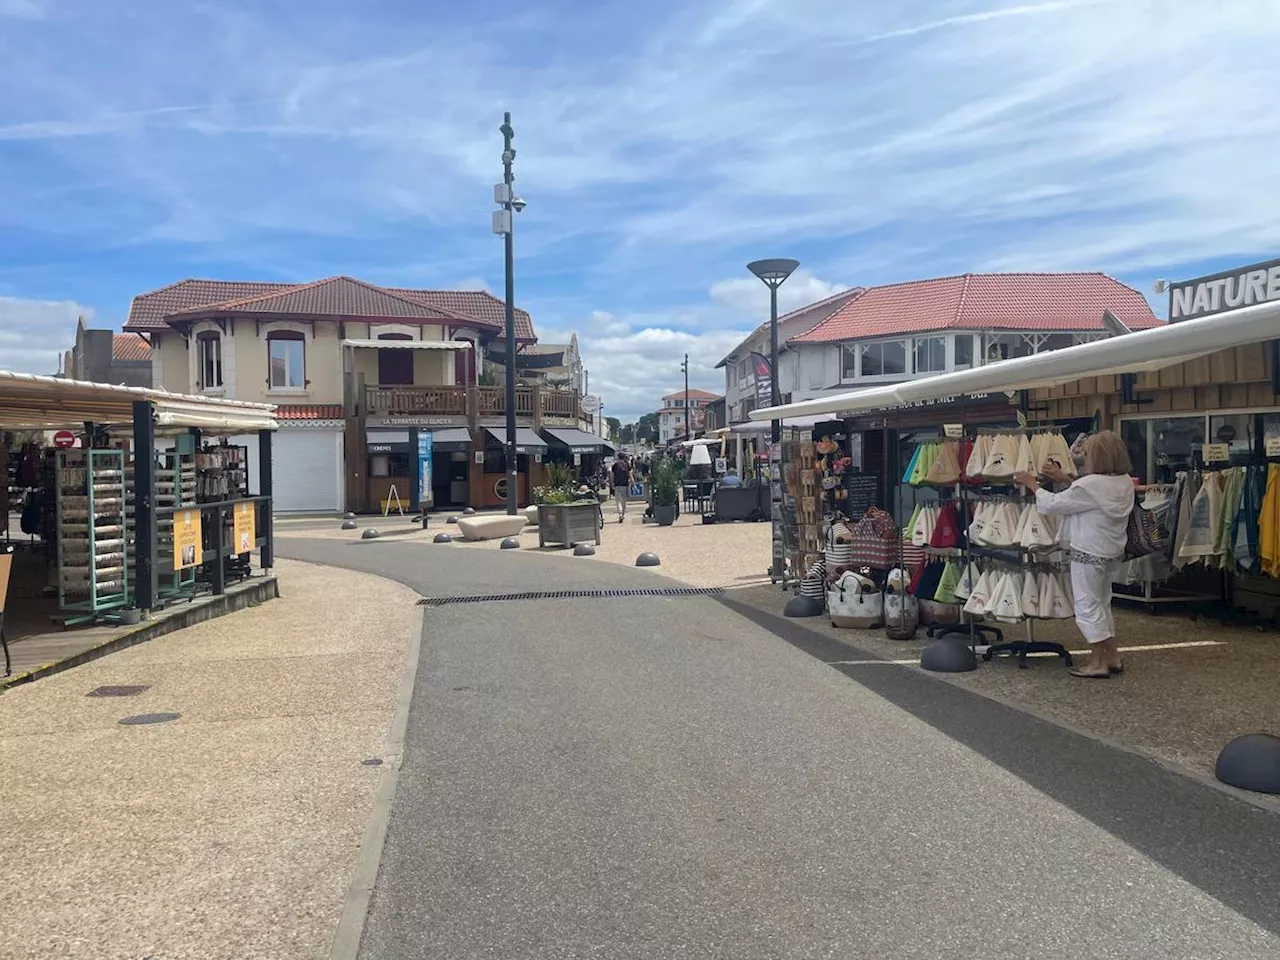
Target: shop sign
[[64, 440], [1216, 452], [188, 549], [953, 431], [425, 493], [722, 465], [382, 447], [426, 421], [1272, 447], [559, 422], [1222, 292], [244, 527], [764, 392], [577, 459]]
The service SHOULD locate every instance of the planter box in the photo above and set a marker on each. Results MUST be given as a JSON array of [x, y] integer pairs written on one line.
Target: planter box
[[569, 523]]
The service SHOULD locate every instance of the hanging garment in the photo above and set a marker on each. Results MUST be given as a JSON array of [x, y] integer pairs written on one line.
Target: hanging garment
[[1005, 604], [911, 524], [1038, 449], [952, 570], [1030, 594], [979, 522], [1232, 484], [1206, 514], [964, 586], [908, 473], [946, 532], [927, 586], [928, 453], [926, 523], [1002, 459], [1026, 462], [1002, 525], [1038, 532], [976, 605], [1269, 524], [1055, 603], [1244, 525], [945, 469], [978, 458], [1188, 490]]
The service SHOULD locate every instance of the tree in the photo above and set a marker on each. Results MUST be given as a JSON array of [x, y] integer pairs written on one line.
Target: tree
[[614, 426], [647, 428], [627, 435]]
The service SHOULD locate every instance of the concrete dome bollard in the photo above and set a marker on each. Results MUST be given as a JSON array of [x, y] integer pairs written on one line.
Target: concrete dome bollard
[[442, 538], [648, 560], [510, 543], [948, 655], [370, 534], [799, 606], [452, 520], [349, 524], [468, 511], [1251, 762], [584, 550], [348, 515]]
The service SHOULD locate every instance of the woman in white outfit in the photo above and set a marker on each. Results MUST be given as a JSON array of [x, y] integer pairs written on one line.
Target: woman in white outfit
[[1095, 509]]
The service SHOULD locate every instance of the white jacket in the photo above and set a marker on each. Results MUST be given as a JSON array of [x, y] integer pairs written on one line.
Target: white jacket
[[1095, 511]]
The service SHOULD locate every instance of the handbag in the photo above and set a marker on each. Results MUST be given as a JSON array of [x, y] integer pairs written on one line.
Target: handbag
[[1143, 535]]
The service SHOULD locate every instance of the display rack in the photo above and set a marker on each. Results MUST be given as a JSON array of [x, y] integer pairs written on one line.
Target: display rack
[[176, 487], [222, 473], [92, 533]]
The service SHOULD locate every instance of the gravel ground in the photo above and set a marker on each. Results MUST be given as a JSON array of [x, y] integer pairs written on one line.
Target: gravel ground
[[230, 833]]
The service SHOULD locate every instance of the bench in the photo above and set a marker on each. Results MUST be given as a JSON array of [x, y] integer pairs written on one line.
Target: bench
[[531, 513], [491, 528]]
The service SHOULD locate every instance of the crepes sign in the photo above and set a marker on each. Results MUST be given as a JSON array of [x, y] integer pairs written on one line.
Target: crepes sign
[[1221, 292]]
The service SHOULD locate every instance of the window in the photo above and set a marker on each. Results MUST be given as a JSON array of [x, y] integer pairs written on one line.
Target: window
[[286, 359], [849, 361], [886, 359], [964, 351], [931, 355], [209, 356]]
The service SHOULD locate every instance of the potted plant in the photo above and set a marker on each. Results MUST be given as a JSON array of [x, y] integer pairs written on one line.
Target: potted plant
[[564, 516], [664, 483]]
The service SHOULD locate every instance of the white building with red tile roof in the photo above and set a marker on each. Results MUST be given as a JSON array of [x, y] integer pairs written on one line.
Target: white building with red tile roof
[[671, 415]]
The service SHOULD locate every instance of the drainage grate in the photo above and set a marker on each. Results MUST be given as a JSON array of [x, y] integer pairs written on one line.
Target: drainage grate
[[149, 718], [119, 691], [575, 595]]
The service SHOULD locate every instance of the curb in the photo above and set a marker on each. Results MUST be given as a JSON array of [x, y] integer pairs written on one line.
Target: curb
[[355, 910], [257, 591]]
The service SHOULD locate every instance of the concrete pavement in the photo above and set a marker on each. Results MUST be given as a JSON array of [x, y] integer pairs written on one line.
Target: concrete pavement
[[667, 778]]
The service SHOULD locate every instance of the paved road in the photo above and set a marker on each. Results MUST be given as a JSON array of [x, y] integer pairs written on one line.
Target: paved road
[[661, 778]]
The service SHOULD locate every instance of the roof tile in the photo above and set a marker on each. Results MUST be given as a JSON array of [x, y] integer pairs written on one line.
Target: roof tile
[[129, 346], [309, 411], [986, 301]]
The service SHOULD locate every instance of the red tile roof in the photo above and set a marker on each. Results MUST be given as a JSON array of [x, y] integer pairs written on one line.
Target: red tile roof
[[129, 346], [309, 411], [694, 394], [1044, 302], [333, 296]]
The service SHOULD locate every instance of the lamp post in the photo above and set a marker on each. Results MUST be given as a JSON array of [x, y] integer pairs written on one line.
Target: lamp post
[[685, 367], [774, 273], [503, 223]]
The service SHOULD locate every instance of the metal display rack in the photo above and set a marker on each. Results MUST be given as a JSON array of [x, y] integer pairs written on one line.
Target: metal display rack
[[175, 490], [93, 572]]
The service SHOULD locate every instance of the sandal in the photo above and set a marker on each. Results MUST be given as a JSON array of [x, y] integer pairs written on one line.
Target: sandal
[[1080, 672]]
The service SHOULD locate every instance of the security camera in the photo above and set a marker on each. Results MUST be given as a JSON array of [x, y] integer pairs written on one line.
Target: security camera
[[518, 203]]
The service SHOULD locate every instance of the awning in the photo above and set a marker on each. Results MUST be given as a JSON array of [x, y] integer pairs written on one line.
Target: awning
[[409, 344], [1138, 352], [451, 439], [35, 402], [526, 440], [753, 427], [578, 441]]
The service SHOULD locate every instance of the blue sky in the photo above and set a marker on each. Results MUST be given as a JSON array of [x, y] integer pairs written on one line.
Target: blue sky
[[661, 146]]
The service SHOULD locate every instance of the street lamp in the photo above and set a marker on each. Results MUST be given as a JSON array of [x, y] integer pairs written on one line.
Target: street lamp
[[685, 367], [774, 273], [503, 222]]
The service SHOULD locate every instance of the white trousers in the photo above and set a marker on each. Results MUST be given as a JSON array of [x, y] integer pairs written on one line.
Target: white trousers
[[1091, 584], [620, 495]]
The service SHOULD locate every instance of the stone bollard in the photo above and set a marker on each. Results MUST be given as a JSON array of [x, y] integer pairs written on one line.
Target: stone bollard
[[370, 534], [349, 524], [442, 538], [510, 543], [948, 655], [584, 550]]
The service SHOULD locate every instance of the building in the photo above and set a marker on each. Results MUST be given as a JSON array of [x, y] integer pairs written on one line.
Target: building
[[746, 377], [671, 424], [105, 356], [377, 388]]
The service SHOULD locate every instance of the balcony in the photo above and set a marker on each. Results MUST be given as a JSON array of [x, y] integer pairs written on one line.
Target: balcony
[[532, 403]]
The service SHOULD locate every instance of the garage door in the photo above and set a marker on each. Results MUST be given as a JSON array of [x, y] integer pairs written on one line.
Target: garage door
[[306, 467]]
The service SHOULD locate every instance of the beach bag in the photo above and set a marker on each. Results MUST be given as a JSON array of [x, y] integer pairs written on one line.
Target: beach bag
[[897, 581], [931, 612], [874, 539], [854, 602], [1143, 535], [814, 584], [901, 615], [839, 547]]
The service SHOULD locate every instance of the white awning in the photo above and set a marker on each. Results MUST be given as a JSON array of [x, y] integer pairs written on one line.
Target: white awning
[[752, 428], [409, 344], [35, 402], [1138, 352]]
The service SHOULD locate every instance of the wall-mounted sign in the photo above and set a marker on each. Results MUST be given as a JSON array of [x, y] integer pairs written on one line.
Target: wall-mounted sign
[[426, 495], [244, 522], [559, 422], [188, 547], [381, 447], [1220, 292], [953, 431], [424, 421], [1216, 452], [577, 459], [479, 456]]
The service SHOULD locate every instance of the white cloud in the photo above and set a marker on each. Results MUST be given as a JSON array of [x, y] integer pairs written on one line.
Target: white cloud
[[748, 295], [35, 333]]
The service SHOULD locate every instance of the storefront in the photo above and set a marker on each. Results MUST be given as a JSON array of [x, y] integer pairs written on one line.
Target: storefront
[[489, 469], [402, 456], [583, 452]]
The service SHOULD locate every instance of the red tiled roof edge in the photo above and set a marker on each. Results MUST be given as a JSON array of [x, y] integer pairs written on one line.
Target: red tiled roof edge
[[309, 411]]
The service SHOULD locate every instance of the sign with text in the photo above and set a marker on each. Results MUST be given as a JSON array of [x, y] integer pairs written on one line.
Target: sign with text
[[1272, 447], [244, 522], [1216, 452], [953, 431], [425, 494], [188, 549], [1221, 292]]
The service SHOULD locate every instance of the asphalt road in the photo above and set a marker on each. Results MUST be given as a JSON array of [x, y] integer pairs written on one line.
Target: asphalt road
[[668, 777]]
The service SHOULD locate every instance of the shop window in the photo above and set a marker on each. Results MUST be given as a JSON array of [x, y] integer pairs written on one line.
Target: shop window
[[849, 361], [887, 359], [1135, 434], [286, 354], [209, 357], [931, 355], [380, 465], [1236, 430], [964, 351], [1174, 443]]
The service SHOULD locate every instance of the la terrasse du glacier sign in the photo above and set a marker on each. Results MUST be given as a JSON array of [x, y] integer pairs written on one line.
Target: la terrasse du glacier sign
[[1220, 292]]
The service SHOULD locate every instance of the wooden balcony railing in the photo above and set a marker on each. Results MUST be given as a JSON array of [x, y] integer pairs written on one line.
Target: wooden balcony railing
[[558, 404], [380, 401], [491, 401]]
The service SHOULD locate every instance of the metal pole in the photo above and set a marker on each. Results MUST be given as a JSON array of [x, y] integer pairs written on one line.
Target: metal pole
[[513, 473], [775, 398], [146, 574], [685, 368]]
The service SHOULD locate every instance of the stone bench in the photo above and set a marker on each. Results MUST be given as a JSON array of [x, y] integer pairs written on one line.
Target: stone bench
[[491, 528], [532, 514]]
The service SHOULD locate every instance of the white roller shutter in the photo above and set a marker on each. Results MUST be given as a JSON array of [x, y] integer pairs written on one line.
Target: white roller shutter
[[306, 467]]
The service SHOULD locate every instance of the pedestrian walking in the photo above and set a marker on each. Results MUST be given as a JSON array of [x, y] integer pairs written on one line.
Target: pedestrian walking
[[621, 484]]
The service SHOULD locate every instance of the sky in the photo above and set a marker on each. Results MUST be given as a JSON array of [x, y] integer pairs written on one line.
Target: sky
[[660, 147]]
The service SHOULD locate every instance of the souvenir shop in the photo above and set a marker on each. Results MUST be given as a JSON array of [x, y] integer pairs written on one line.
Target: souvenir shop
[[916, 521], [118, 500]]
